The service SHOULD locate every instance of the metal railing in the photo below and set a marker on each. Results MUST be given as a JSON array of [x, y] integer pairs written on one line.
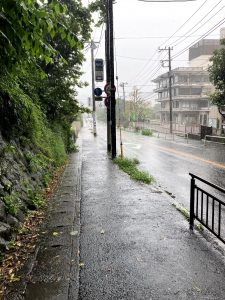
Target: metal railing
[[206, 207]]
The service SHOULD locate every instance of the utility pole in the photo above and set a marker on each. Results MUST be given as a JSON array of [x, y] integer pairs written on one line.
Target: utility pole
[[170, 85], [122, 84], [107, 75], [112, 82], [93, 87]]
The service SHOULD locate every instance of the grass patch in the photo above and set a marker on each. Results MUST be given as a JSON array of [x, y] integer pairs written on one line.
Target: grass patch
[[186, 214], [146, 132], [129, 166], [182, 210]]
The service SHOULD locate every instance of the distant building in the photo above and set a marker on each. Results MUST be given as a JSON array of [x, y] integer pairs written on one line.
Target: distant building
[[190, 89]]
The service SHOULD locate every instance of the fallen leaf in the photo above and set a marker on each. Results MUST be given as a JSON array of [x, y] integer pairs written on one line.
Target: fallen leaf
[[74, 233], [198, 289], [55, 233], [10, 271]]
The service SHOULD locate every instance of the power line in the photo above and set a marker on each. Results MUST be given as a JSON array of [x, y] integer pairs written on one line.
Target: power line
[[145, 66], [88, 47], [211, 30], [182, 39], [100, 39], [221, 22], [185, 22], [153, 67], [148, 37], [146, 59], [142, 70]]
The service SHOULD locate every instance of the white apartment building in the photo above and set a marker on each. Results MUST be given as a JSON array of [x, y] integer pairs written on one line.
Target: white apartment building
[[190, 89]]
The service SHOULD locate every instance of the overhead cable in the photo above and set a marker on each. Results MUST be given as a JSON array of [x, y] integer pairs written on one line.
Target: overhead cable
[[221, 22], [185, 23], [184, 38]]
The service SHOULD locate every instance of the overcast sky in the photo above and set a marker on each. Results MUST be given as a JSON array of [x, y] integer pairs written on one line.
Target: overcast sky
[[141, 27]]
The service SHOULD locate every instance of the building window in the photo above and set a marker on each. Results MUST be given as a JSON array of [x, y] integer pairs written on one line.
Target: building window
[[196, 78], [183, 79], [176, 104], [203, 103], [175, 78], [190, 91]]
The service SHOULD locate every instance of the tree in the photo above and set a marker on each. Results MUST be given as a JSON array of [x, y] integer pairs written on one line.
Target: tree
[[140, 109], [41, 45], [217, 77], [57, 92]]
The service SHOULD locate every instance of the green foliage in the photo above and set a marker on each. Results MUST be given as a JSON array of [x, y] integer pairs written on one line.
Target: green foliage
[[182, 210], [146, 132], [41, 54], [217, 77], [9, 149], [46, 178], [39, 162], [26, 28], [129, 167], [99, 5], [12, 203], [35, 197]]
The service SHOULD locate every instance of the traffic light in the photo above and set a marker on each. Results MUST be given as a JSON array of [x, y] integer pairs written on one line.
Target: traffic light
[[99, 70]]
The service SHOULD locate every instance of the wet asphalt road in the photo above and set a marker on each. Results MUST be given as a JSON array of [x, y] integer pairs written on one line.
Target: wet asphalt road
[[134, 245], [170, 162]]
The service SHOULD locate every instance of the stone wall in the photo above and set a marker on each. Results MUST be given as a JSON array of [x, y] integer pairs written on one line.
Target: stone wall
[[22, 175]]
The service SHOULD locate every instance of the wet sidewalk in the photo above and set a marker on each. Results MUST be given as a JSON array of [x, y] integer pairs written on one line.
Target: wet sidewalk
[[134, 244], [110, 238], [55, 273]]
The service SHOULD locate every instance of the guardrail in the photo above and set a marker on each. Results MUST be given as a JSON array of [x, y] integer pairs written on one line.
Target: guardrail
[[214, 139], [205, 207]]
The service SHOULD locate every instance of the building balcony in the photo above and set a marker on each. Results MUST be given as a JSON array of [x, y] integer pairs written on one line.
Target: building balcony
[[185, 97], [186, 109], [183, 84]]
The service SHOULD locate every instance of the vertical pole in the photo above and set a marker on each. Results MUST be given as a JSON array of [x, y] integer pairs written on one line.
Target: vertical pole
[[170, 92], [124, 99], [192, 203], [107, 74], [93, 87], [112, 83]]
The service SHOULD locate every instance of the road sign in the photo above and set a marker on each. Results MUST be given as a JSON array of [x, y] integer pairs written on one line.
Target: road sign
[[99, 69], [107, 102], [98, 98], [108, 89], [97, 92]]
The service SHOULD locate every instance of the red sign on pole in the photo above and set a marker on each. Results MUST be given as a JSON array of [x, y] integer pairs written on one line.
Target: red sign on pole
[[107, 102], [108, 89]]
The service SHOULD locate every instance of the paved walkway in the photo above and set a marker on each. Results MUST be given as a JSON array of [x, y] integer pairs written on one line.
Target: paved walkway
[[55, 274], [130, 242], [135, 244]]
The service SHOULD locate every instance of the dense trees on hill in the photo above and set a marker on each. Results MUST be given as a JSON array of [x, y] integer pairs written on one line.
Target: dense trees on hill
[[41, 45], [217, 77]]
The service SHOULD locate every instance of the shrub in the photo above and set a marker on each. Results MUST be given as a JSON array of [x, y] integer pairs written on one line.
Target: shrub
[[146, 132], [129, 167]]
